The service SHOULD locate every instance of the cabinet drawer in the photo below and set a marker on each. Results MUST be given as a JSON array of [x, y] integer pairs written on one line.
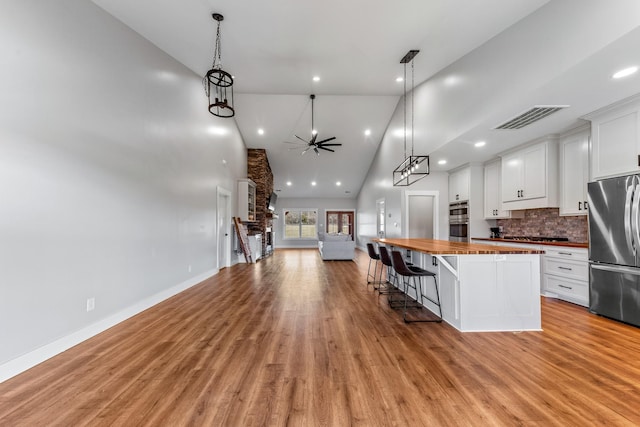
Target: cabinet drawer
[[578, 270], [578, 254], [570, 290]]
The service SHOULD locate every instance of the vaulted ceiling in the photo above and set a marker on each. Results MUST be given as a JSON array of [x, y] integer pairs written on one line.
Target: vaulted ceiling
[[480, 62]]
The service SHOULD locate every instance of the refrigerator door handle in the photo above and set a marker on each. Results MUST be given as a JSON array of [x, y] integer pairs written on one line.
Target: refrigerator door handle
[[627, 218], [616, 269], [635, 220]]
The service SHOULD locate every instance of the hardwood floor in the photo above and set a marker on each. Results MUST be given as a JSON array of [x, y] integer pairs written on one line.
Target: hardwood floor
[[293, 340]]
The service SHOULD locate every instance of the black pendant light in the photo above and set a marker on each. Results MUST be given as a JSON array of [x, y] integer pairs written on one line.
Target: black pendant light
[[413, 167], [218, 84]]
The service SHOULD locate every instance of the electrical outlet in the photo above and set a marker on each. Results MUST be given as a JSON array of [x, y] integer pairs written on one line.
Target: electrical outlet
[[91, 303]]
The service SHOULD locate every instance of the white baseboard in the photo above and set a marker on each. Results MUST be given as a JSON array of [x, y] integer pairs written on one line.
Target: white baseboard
[[39, 355]]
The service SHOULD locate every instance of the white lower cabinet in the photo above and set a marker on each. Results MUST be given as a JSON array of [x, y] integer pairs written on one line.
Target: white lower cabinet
[[564, 271], [566, 274]]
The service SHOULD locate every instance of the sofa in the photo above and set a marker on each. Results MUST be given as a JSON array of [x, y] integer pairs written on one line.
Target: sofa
[[336, 246]]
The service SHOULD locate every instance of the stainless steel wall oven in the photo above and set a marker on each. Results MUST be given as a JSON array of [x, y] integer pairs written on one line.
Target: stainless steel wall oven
[[459, 222]]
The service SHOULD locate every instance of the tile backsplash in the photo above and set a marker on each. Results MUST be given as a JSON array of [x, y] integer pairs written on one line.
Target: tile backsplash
[[547, 222]]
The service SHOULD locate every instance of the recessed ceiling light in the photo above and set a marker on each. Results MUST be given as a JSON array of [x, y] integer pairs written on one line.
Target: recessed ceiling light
[[289, 183], [442, 162], [624, 73], [313, 183], [480, 144], [316, 78], [260, 131], [367, 132], [399, 79], [338, 183]]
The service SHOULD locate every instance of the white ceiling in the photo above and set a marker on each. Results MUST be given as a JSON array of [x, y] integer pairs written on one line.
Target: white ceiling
[[481, 63]]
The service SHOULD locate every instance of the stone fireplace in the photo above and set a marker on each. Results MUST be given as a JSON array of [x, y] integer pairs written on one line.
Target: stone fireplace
[[259, 171]]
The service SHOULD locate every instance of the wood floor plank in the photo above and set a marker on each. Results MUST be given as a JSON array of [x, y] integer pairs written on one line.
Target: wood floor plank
[[293, 340]]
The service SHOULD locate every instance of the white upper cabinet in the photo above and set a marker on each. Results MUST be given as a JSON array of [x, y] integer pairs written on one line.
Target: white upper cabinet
[[529, 177], [493, 192], [459, 185], [615, 135], [574, 173]]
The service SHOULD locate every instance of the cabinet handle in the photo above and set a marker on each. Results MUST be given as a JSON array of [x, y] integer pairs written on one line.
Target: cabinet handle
[[585, 205], [565, 253], [566, 287], [564, 268], [579, 206], [434, 261]]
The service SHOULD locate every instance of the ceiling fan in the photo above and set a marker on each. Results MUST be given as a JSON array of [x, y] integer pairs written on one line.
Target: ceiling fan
[[312, 143]]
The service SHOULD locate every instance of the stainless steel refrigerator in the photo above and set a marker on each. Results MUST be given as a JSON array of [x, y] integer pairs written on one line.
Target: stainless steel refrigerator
[[614, 248]]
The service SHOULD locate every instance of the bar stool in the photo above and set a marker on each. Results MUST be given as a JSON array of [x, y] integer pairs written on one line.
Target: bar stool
[[412, 272], [391, 283], [373, 256]]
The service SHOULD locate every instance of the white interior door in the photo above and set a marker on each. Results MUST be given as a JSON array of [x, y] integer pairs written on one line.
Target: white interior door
[[224, 228], [421, 214]]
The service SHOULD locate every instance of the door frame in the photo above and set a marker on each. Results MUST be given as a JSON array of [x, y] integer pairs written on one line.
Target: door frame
[[353, 212], [436, 207], [223, 241], [379, 202]]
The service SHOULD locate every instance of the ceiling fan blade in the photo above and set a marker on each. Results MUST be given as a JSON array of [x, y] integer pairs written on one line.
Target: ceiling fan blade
[[305, 150], [295, 148], [303, 140], [329, 145], [313, 139], [294, 143], [325, 140], [328, 149], [316, 150]]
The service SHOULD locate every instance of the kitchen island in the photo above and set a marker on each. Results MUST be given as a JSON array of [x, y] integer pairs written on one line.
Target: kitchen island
[[482, 287]]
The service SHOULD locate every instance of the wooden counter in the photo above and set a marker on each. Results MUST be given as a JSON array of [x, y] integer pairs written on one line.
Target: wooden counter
[[445, 247], [482, 287]]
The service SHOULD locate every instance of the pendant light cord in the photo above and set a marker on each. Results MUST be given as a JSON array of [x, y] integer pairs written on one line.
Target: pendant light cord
[[404, 101], [217, 50], [412, 104]]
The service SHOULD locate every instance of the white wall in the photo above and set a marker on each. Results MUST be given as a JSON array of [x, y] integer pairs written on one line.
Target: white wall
[[109, 164], [322, 205], [378, 185]]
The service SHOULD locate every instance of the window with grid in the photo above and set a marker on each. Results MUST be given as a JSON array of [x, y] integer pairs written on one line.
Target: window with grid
[[300, 223]]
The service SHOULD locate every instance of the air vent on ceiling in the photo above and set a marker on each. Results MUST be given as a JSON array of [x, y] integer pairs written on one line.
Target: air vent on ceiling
[[530, 116]]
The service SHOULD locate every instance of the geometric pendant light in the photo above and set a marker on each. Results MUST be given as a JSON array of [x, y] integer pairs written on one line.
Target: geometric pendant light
[[413, 167]]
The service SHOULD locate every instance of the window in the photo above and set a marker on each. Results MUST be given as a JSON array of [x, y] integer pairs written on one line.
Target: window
[[340, 222], [300, 223]]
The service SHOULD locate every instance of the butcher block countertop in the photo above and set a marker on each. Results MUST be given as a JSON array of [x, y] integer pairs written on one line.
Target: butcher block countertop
[[442, 247], [584, 245]]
